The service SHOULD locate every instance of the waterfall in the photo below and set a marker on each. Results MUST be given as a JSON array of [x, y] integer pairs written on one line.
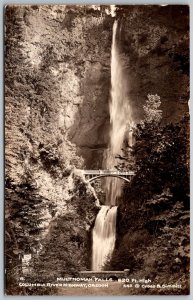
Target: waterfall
[[104, 232], [120, 116]]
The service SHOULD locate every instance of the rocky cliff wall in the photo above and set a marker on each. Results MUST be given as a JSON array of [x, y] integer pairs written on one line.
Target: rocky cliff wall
[[58, 76], [155, 45], [44, 85]]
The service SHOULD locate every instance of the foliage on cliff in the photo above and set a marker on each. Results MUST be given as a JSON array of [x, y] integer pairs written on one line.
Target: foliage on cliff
[[161, 154], [67, 246], [153, 219], [58, 239], [42, 94]]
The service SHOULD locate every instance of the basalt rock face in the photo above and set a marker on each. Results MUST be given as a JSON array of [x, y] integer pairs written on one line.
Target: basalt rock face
[[154, 41], [56, 88], [47, 63], [58, 64]]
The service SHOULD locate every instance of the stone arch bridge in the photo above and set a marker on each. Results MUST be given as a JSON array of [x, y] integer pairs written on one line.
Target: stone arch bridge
[[91, 175]]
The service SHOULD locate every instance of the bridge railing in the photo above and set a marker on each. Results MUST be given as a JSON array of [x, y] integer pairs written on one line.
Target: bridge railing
[[107, 172]]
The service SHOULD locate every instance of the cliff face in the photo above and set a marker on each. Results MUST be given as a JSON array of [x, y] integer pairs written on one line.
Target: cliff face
[[155, 44], [58, 73], [48, 61]]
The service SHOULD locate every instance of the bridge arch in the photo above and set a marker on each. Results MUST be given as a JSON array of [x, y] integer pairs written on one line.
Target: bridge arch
[[108, 175]]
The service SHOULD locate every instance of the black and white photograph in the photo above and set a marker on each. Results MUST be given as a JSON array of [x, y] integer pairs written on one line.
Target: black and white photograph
[[97, 150]]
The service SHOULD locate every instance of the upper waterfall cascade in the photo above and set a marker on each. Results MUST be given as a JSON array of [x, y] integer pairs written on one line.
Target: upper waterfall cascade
[[120, 116]]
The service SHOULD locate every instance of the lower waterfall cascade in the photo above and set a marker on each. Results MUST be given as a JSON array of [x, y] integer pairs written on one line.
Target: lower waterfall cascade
[[104, 236]]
